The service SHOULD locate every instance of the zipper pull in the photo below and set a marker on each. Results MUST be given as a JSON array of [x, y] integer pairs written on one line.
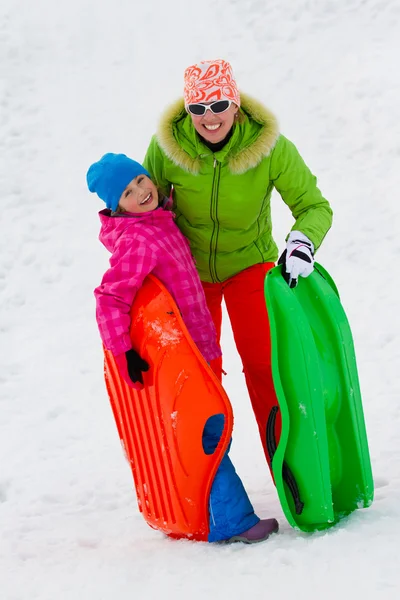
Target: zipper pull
[[215, 162]]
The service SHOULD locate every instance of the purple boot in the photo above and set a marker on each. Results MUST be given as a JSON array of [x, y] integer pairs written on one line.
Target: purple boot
[[258, 533]]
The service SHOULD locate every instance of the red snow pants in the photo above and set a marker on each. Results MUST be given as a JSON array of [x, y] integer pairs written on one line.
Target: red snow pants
[[245, 302]]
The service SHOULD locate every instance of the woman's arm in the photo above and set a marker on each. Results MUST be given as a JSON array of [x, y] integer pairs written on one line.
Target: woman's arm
[[298, 188], [154, 162]]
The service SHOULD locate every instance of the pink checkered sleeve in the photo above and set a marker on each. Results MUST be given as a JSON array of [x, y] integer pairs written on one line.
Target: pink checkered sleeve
[[183, 281], [195, 313], [115, 294]]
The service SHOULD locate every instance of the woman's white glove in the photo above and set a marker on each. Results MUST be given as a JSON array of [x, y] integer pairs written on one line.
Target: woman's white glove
[[298, 258]]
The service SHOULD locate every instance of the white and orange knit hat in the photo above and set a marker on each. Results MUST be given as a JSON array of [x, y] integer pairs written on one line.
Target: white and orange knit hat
[[209, 81]]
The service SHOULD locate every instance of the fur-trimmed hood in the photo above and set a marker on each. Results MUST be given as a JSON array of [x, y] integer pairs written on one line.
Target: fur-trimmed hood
[[254, 137]]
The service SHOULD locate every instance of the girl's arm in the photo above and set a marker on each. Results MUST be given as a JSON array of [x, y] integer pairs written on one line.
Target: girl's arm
[[114, 297]]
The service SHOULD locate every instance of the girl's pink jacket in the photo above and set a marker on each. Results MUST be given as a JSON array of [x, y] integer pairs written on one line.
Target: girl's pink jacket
[[142, 244]]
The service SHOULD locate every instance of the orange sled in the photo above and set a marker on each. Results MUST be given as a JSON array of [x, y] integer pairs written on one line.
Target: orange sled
[[161, 426]]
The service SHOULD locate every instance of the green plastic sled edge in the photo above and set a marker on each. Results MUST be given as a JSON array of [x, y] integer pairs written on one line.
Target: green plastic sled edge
[[321, 466]]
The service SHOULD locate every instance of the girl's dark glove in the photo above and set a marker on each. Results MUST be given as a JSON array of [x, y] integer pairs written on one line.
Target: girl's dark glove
[[136, 366], [298, 258], [131, 367]]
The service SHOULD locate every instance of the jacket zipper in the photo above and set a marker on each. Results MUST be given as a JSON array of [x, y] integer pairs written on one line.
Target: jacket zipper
[[214, 218]]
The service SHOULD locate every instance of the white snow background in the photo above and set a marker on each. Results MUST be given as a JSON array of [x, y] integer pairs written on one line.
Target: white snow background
[[85, 77]]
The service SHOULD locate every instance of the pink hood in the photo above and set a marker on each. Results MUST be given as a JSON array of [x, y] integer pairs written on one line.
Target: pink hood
[[112, 228]]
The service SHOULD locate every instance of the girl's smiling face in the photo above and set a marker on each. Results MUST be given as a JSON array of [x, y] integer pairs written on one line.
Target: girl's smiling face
[[139, 196]]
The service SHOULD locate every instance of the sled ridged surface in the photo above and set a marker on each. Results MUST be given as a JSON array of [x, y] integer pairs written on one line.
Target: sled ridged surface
[[323, 442], [161, 426]]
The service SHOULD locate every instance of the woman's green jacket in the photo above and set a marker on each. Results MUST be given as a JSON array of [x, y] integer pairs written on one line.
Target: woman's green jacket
[[222, 200]]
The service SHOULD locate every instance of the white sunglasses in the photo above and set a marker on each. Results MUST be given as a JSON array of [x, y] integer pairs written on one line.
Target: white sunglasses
[[217, 107]]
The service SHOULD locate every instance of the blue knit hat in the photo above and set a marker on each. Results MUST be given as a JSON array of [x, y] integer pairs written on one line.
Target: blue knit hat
[[110, 175]]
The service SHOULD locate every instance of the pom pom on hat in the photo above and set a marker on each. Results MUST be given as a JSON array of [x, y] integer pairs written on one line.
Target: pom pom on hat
[[110, 175], [209, 81]]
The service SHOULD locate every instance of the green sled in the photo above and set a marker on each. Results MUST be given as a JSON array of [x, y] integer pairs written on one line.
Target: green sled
[[321, 465]]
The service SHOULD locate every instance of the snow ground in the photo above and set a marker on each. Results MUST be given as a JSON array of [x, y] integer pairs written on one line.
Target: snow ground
[[84, 77]]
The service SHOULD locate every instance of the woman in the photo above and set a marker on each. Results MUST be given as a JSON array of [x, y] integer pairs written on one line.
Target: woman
[[220, 153]]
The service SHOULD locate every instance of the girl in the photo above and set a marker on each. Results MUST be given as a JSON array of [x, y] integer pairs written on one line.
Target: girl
[[141, 235]]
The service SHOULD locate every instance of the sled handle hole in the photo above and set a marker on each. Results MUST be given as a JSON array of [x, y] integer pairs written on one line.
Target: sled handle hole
[[212, 432]]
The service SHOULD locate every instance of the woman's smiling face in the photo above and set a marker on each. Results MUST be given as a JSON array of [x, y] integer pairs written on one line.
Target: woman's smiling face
[[139, 196], [214, 128]]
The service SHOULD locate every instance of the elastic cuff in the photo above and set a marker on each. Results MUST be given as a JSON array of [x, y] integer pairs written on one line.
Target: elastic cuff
[[299, 235], [120, 346]]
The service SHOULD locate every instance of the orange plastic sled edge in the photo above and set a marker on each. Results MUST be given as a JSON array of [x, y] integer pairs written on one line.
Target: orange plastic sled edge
[[161, 426]]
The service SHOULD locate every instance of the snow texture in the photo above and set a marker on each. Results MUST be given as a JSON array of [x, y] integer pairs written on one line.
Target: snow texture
[[81, 78]]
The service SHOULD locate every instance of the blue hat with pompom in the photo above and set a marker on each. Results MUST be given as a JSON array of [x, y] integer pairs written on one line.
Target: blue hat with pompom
[[110, 175]]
